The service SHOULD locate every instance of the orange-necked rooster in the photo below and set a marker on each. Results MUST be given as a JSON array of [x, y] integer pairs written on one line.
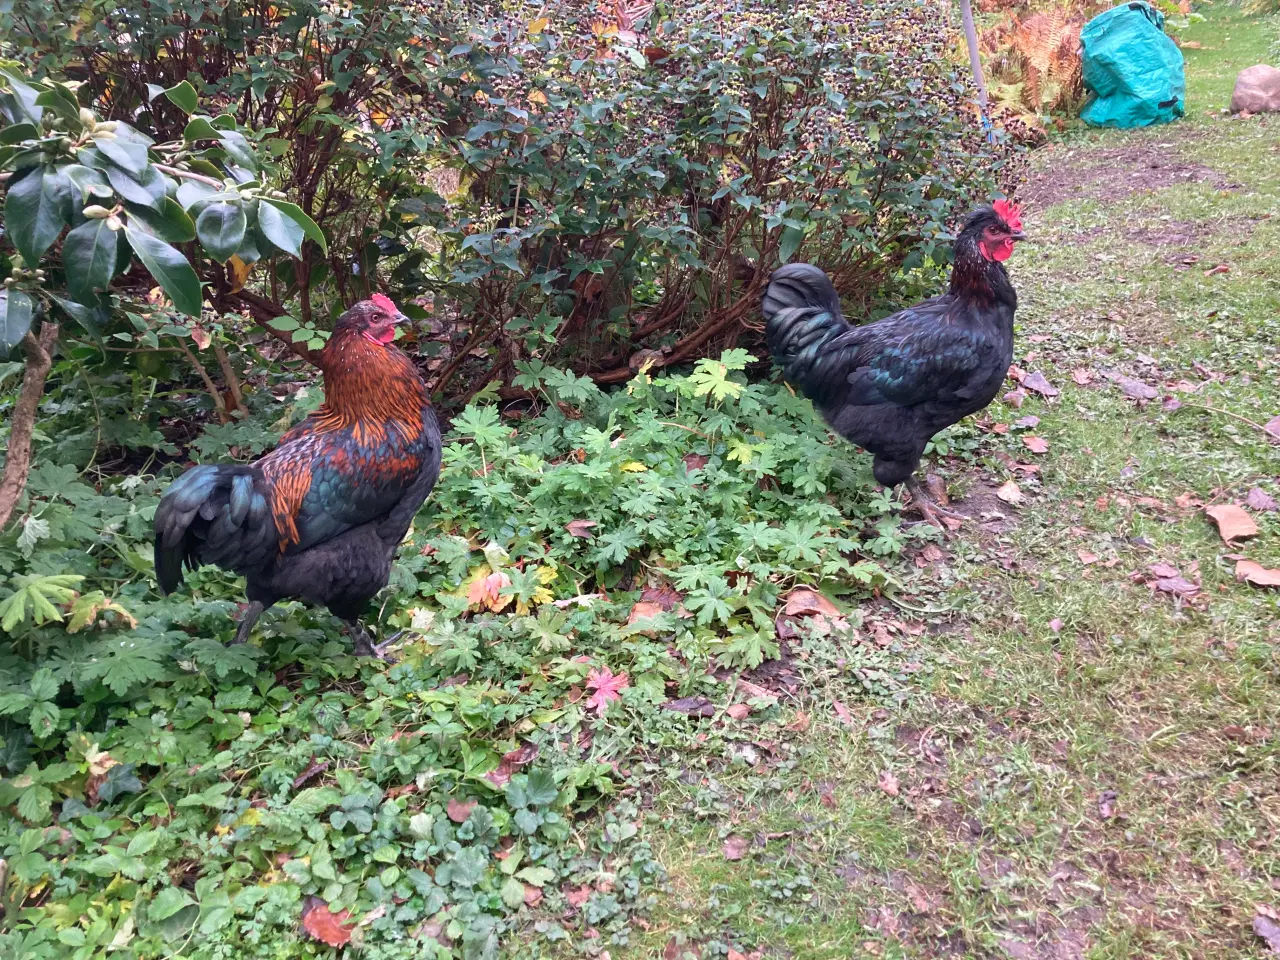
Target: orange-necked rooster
[[319, 518], [889, 386]]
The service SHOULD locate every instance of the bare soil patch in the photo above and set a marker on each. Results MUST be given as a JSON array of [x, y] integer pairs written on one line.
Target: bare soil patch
[[1073, 173]]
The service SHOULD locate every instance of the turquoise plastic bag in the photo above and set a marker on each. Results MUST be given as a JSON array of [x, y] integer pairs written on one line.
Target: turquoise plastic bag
[[1132, 69]]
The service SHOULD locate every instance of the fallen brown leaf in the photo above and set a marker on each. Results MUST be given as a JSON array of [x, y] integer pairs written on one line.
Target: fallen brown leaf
[[691, 706], [1036, 382], [1220, 268], [580, 528], [1010, 492], [1027, 423], [805, 602], [1257, 574], [843, 713], [888, 782], [1233, 523], [1086, 557], [1260, 500], [1015, 398], [735, 847], [1273, 427], [1178, 586], [459, 810], [325, 926], [1268, 929], [1035, 444], [1082, 376], [1159, 570], [644, 610], [739, 711]]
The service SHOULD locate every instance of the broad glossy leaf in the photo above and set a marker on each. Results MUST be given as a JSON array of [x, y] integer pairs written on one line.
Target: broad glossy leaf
[[15, 318], [18, 132], [90, 182], [168, 902], [25, 93], [127, 149], [168, 220], [61, 102], [200, 128], [183, 95], [221, 227], [238, 149], [170, 269], [91, 319], [89, 258], [147, 188], [31, 214], [281, 231], [294, 213], [191, 192]]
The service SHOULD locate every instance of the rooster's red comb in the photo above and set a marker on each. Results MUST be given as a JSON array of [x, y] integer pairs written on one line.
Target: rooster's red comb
[[1009, 212], [383, 302]]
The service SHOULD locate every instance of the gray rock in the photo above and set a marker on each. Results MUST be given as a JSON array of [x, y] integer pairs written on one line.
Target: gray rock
[[1257, 90]]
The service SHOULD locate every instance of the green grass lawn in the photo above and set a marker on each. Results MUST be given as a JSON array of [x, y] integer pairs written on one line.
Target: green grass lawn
[[1094, 770]]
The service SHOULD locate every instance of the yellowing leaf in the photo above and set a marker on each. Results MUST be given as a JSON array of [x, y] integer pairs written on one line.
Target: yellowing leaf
[[238, 273], [742, 452], [633, 466], [86, 609], [537, 26]]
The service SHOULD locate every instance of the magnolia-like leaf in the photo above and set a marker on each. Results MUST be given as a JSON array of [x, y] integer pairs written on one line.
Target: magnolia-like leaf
[[284, 233], [221, 227], [89, 258], [183, 96], [170, 269], [147, 188], [32, 218], [168, 220], [309, 226], [16, 311]]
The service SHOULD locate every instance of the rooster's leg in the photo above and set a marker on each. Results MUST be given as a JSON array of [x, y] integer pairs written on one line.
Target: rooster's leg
[[251, 614], [930, 510], [362, 644]]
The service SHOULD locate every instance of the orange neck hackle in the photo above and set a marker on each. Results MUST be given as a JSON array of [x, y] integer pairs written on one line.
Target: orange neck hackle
[[369, 386]]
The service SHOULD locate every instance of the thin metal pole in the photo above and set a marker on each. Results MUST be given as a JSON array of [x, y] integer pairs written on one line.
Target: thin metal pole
[[975, 62]]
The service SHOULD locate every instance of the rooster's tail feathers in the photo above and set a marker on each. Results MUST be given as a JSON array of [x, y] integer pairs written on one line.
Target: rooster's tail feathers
[[212, 514], [802, 316]]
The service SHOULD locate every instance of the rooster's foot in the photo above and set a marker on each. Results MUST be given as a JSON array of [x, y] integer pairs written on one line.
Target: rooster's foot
[[252, 611], [363, 646], [928, 508]]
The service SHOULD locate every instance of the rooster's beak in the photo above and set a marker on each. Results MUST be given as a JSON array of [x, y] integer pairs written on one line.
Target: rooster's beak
[[1018, 235]]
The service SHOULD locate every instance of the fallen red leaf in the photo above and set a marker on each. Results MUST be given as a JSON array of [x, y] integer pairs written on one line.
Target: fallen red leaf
[[1015, 398], [1257, 574], [735, 847], [1035, 444], [459, 810], [323, 925], [805, 602], [580, 528], [1220, 268], [739, 711], [1082, 376], [644, 610], [888, 782], [1260, 500], [1233, 523], [843, 713], [1036, 382]]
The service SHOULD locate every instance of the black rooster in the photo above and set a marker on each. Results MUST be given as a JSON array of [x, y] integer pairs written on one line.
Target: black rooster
[[319, 518], [889, 386]]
